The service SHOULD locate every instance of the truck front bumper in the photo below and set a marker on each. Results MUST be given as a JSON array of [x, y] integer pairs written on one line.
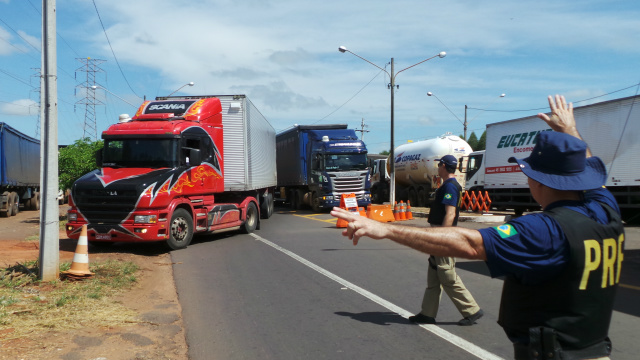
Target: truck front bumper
[[330, 201]]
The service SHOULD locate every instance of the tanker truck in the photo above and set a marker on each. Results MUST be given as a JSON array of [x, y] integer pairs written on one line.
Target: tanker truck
[[416, 169]]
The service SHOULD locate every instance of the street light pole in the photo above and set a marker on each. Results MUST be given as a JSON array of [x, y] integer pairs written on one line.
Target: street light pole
[[465, 123], [190, 84], [392, 85]]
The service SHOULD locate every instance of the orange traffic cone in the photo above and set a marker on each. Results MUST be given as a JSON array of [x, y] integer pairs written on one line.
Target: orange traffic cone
[[409, 214], [396, 211], [403, 214], [80, 265]]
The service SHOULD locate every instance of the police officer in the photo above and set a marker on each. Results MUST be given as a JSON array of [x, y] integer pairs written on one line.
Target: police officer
[[444, 211], [561, 266]]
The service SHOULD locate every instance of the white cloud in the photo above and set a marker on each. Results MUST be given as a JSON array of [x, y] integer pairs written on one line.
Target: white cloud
[[22, 107]]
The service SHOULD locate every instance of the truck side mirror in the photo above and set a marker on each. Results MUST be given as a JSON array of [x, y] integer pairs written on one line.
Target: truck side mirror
[[98, 156], [195, 157]]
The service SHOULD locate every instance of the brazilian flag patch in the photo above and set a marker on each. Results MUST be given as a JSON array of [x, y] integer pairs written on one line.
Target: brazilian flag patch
[[447, 196], [505, 230]]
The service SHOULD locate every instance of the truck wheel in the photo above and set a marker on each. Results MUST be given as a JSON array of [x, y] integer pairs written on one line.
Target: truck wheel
[[266, 208], [181, 231], [315, 203], [9, 211], [16, 203], [413, 196], [35, 201], [422, 198], [251, 221], [11, 204]]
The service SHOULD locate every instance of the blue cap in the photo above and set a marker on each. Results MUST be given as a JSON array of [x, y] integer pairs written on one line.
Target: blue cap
[[448, 160], [559, 161]]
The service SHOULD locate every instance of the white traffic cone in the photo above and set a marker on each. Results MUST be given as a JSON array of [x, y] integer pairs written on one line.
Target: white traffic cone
[[80, 265]]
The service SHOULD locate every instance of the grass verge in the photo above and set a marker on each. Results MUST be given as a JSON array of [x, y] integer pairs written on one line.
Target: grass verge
[[29, 306]]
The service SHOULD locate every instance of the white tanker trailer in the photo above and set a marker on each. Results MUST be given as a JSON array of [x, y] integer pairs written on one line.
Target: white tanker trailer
[[416, 169]]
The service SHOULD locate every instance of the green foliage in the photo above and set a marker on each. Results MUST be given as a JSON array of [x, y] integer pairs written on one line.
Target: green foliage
[[473, 141], [384, 152], [76, 160], [482, 143]]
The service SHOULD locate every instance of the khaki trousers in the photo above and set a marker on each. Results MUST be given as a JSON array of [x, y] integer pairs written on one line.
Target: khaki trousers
[[445, 277]]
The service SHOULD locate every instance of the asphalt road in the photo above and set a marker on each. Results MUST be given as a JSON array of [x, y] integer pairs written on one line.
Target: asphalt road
[[297, 289]]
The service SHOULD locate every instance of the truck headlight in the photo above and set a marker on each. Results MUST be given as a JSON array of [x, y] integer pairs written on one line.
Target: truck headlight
[[72, 216], [145, 219], [329, 197]]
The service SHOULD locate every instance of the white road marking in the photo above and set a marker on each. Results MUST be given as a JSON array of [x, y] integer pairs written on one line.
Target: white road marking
[[453, 339]]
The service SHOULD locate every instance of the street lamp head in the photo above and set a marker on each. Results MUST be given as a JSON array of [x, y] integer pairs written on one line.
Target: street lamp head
[[190, 84], [442, 54], [342, 49], [503, 95], [429, 93], [93, 87]]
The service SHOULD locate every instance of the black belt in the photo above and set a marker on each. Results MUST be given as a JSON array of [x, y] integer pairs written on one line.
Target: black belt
[[544, 346]]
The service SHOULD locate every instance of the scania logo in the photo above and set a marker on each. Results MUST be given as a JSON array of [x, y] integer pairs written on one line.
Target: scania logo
[[113, 193], [167, 107]]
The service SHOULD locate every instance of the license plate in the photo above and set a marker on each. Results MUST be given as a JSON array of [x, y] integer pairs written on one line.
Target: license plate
[[103, 237]]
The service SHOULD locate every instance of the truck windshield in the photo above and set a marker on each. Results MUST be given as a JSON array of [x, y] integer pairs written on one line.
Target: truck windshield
[[345, 162], [475, 161], [140, 153]]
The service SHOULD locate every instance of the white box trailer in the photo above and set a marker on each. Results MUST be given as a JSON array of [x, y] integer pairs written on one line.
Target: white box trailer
[[611, 130]]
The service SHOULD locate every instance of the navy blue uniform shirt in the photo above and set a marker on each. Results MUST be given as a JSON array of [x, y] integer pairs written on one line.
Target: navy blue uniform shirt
[[534, 248]]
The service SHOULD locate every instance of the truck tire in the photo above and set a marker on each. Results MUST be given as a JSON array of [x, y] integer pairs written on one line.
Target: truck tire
[[266, 208], [16, 203], [181, 229], [35, 201], [315, 203], [251, 221], [9, 210], [413, 196], [422, 198]]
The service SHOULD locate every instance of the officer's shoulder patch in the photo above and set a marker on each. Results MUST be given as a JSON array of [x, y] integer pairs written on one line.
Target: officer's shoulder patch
[[447, 196], [505, 230]]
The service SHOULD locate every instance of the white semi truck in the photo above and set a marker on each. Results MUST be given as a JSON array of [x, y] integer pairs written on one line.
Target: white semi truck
[[611, 130], [416, 169]]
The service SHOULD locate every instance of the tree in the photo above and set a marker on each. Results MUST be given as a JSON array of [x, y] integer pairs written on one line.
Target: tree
[[482, 143], [384, 152], [76, 160], [473, 141]]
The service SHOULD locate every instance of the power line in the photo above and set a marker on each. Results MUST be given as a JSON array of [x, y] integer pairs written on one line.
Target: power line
[[575, 102], [351, 98], [113, 52]]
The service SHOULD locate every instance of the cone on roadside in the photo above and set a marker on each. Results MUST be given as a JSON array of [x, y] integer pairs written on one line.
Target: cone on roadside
[[403, 214], [409, 215], [80, 264], [396, 211]]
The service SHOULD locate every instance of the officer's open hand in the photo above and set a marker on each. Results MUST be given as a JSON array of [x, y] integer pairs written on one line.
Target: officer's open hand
[[561, 118], [358, 226]]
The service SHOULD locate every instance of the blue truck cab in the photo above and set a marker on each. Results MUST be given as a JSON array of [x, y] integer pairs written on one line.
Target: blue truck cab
[[316, 164]]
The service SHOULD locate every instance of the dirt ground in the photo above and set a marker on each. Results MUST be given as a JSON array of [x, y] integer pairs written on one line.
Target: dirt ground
[[159, 332]]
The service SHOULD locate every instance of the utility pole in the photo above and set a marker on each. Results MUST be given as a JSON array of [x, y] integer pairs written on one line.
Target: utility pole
[[49, 212], [362, 130]]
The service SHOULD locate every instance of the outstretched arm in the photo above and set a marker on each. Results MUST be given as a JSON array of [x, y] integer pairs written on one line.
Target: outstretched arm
[[561, 119], [438, 241]]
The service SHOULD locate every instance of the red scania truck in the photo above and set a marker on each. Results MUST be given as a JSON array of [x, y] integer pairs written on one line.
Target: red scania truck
[[181, 165]]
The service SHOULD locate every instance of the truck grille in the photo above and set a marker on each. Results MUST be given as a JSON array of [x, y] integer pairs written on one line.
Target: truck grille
[[349, 184], [101, 206]]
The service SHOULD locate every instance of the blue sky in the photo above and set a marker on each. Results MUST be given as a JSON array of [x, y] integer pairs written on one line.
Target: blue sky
[[284, 56]]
